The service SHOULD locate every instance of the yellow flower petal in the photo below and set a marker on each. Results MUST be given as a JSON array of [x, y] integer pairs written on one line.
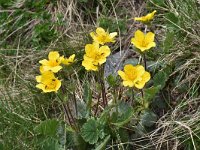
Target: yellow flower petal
[[140, 70], [69, 60], [105, 51], [89, 66], [146, 76], [42, 69], [122, 74], [129, 68], [150, 45], [139, 36], [100, 31], [147, 18], [40, 86], [149, 37], [53, 55], [44, 62], [113, 34], [56, 69], [58, 85], [140, 84], [128, 83], [38, 78]]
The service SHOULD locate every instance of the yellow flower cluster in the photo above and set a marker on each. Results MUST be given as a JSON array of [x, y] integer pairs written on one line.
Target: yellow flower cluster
[[144, 41], [47, 81], [134, 76], [95, 55]]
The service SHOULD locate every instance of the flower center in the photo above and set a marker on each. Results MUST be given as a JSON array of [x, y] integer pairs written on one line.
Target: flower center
[[54, 63], [51, 85]]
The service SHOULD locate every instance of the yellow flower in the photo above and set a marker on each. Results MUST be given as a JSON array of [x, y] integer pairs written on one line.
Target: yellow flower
[[68, 61], [147, 18], [102, 37], [143, 41], [95, 56], [48, 82], [134, 76], [53, 64]]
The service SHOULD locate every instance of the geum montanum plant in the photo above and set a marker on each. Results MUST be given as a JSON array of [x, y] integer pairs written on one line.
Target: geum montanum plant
[[96, 123]]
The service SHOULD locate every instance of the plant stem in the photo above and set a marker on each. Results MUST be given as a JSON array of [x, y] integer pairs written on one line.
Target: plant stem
[[145, 61], [97, 106], [75, 104], [70, 113], [67, 114], [65, 110], [132, 97], [144, 56], [103, 91], [142, 92], [115, 99]]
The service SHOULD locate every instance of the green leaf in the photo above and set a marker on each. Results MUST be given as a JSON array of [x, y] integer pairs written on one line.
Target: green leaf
[[82, 109], [172, 20], [105, 114], [103, 144], [51, 144], [132, 61], [159, 2], [148, 118], [125, 114], [112, 80], [88, 97], [90, 131], [1, 146], [83, 1], [172, 17], [79, 142], [150, 93], [162, 76], [159, 79], [48, 127], [168, 41]]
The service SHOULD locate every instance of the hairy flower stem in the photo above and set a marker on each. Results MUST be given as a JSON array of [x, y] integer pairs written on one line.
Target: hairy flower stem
[[145, 61], [115, 99], [144, 56], [74, 121], [68, 111], [97, 106], [103, 90], [65, 110], [75, 104], [142, 92], [132, 96], [67, 114]]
